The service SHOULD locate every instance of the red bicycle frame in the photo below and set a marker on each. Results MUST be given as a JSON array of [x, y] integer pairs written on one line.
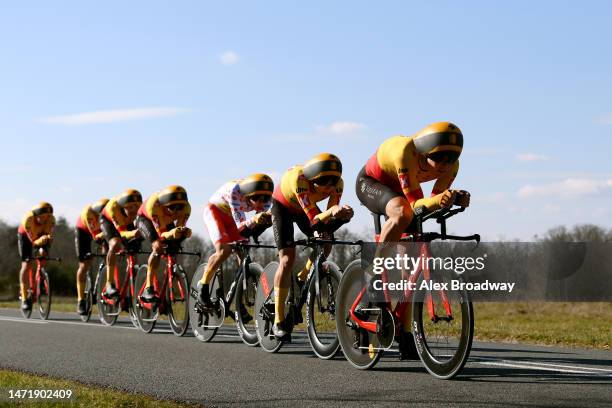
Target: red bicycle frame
[[401, 306], [124, 287], [34, 279], [166, 283]]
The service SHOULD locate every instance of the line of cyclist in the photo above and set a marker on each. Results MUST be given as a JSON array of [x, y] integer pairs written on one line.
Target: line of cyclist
[[388, 184]]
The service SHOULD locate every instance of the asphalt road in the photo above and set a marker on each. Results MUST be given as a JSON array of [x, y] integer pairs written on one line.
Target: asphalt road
[[227, 372]]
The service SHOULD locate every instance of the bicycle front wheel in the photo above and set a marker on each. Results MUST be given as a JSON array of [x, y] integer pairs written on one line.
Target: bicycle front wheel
[[245, 305], [178, 311], [108, 309], [44, 295], [205, 323], [321, 312], [443, 327], [361, 348], [264, 309], [146, 313], [88, 298]]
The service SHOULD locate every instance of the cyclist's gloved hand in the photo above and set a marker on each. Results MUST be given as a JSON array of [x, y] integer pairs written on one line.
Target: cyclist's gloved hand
[[262, 218], [447, 198], [99, 237], [463, 198], [174, 233], [183, 232], [344, 213], [43, 240], [129, 235]]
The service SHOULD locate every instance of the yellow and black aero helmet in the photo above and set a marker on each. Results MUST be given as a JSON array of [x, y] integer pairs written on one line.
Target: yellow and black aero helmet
[[129, 196], [42, 208], [257, 184], [99, 205], [172, 195], [323, 167], [441, 141]]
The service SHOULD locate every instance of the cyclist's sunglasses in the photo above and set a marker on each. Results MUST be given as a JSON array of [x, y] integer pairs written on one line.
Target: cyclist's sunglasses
[[444, 157], [327, 180], [260, 197], [176, 207]]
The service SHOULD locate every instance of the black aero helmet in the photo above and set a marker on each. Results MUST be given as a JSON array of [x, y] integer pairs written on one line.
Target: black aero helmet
[[323, 164], [129, 196], [99, 205], [172, 195], [440, 139], [256, 184], [42, 208]]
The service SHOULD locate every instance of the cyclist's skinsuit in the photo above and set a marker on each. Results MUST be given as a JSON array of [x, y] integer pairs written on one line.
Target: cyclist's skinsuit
[[152, 221], [87, 227], [295, 200], [395, 170], [29, 231], [114, 222], [224, 215]]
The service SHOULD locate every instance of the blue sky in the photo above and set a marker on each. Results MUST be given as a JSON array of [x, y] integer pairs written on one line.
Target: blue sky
[[98, 98]]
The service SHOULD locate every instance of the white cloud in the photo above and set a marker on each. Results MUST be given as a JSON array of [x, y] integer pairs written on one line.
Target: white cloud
[[120, 115], [229, 58], [605, 119], [492, 198], [530, 157], [341, 128], [569, 188]]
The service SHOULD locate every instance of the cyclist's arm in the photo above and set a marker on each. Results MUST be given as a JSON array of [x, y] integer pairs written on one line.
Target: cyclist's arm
[[237, 205], [444, 182], [334, 200], [301, 190], [26, 225], [184, 216]]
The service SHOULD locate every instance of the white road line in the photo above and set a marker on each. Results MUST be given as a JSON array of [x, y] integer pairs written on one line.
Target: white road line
[[22, 320], [534, 366]]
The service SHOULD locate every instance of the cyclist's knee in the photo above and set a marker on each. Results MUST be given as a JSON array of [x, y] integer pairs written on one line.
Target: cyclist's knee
[[286, 258], [156, 248], [399, 212]]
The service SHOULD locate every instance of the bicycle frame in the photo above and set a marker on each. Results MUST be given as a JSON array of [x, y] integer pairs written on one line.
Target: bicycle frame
[[124, 287], [243, 249], [34, 278], [166, 282], [318, 245], [424, 252]]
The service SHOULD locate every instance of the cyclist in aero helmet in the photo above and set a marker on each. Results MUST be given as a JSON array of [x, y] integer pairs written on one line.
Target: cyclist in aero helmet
[[295, 201], [117, 224], [34, 232], [86, 231], [226, 222], [162, 218], [389, 185]]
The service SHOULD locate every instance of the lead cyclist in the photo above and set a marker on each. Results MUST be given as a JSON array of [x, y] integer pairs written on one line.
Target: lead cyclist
[[390, 185]]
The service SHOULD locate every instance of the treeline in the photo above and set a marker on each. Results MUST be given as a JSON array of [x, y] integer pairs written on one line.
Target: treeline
[[63, 274]]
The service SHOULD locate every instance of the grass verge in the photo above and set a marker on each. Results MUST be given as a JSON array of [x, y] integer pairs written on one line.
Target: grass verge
[[85, 395]]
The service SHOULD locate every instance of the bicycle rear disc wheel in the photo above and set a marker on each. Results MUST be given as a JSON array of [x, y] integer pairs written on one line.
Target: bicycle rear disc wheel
[[205, 324], [178, 306], [44, 295], [360, 347], [264, 309], [246, 292], [321, 312], [146, 313], [108, 309], [88, 299], [443, 341]]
